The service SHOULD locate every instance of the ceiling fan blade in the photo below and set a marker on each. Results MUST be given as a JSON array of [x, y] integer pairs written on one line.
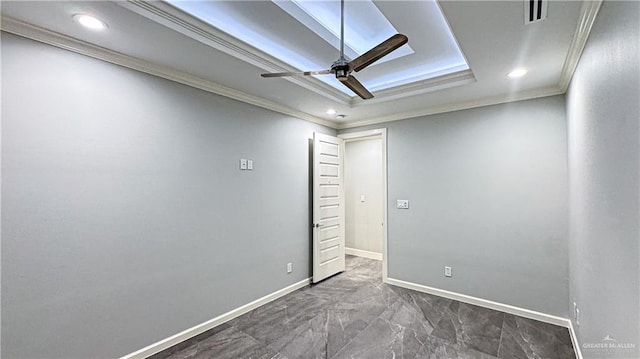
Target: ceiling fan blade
[[378, 52], [301, 73], [356, 87]]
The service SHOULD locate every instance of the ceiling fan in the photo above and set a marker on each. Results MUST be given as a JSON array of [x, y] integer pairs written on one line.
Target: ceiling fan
[[343, 68]]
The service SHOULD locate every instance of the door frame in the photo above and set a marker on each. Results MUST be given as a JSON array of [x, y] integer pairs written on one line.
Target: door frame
[[381, 134]]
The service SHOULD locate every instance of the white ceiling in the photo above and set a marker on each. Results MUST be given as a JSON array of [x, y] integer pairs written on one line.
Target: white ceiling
[[157, 38]]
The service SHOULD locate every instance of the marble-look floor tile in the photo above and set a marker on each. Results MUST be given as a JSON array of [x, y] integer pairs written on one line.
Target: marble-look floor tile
[[431, 306], [401, 331], [229, 343], [363, 269], [343, 319], [352, 262], [372, 292], [276, 319], [308, 340], [529, 339], [466, 353], [388, 339], [347, 318], [384, 339], [335, 288], [405, 315], [168, 353], [471, 326]]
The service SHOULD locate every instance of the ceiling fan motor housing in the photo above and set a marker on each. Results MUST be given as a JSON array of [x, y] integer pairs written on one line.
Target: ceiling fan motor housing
[[340, 68]]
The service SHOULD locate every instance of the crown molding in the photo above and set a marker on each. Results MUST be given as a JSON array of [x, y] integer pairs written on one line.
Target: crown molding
[[167, 15], [36, 33], [588, 14], [419, 87], [527, 95]]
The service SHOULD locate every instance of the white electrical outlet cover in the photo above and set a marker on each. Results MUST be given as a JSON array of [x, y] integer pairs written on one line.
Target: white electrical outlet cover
[[250, 164]]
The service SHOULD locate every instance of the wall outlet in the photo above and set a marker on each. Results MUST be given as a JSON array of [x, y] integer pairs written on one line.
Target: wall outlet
[[447, 271], [403, 204], [289, 267]]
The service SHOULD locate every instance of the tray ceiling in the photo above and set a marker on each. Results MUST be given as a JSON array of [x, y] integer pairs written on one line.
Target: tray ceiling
[[493, 38]]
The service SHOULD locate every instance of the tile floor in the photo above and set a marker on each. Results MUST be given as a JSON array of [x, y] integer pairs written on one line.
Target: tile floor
[[354, 315]]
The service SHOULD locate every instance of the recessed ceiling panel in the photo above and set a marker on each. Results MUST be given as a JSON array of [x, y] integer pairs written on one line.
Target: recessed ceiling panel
[[366, 28], [306, 35]]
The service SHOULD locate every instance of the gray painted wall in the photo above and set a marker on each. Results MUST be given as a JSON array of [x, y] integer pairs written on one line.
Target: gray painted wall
[[125, 216], [604, 146], [488, 196], [363, 177]]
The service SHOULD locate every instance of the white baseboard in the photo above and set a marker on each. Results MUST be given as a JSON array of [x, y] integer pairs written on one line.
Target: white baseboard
[[361, 253], [506, 308], [203, 327], [574, 341]]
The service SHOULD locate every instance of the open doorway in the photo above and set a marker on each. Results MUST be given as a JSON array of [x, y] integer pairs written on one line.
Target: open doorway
[[365, 175]]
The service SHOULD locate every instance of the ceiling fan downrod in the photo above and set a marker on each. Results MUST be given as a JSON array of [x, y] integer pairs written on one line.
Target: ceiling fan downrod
[[342, 68]]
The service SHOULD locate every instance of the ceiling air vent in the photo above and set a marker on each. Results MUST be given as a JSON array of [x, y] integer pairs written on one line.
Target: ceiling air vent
[[535, 10]]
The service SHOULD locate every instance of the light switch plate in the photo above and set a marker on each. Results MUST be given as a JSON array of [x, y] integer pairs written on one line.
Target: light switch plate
[[250, 165], [403, 204], [243, 164]]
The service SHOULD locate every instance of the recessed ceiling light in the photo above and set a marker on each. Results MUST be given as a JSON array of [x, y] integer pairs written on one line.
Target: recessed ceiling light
[[90, 22], [331, 111], [517, 73]]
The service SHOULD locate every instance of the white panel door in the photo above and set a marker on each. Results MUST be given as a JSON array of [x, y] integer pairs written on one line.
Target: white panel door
[[328, 206]]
